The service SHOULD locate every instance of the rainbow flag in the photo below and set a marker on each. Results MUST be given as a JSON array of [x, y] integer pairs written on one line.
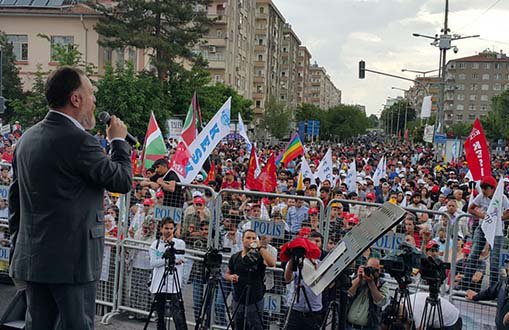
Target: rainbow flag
[[293, 149]]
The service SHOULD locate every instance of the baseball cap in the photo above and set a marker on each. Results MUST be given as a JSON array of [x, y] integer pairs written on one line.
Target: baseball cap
[[199, 200], [148, 202], [313, 210], [489, 180], [467, 247], [229, 172], [228, 160], [370, 196], [431, 244]]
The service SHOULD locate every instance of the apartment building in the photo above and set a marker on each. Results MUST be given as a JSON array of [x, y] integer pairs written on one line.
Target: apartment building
[[303, 63], [288, 91], [471, 83], [64, 22], [321, 90], [229, 44], [425, 86]]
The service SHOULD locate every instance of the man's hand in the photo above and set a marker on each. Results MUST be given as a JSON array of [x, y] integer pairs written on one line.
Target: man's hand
[[360, 272], [477, 277], [234, 278], [506, 319], [116, 129], [470, 294], [160, 181]]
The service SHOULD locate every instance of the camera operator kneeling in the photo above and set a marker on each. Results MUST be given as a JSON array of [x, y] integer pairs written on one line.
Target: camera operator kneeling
[[307, 308], [368, 295], [246, 270]]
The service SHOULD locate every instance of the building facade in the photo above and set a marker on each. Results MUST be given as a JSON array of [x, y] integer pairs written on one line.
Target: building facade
[[288, 69], [471, 83], [426, 86], [322, 92], [303, 63]]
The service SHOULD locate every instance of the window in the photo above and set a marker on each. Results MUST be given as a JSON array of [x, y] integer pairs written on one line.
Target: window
[[459, 117], [484, 107], [485, 87], [475, 76], [471, 107], [120, 56], [459, 107], [217, 78], [461, 76], [285, 50], [474, 87], [460, 87], [258, 104], [260, 57], [108, 55], [506, 87], [484, 97], [475, 65], [486, 66], [498, 66], [262, 10], [486, 76], [259, 88], [472, 97], [219, 33], [460, 97], [19, 44], [283, 74], [282, 97], [497, 87], [498, 76], [60, 40], [461, 65], [471, 116], [132, 56], [260, 42]]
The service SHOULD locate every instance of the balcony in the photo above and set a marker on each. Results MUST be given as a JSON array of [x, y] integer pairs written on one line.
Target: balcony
[[216, 64], [260, 48], [259, 79], [259, 111], [259, 64], [260, 32], [218, 18], [258, 96], [214, 41]]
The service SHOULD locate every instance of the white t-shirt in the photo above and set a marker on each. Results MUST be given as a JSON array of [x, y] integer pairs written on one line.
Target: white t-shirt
[[450, 312], [484, 202], [158, 263]]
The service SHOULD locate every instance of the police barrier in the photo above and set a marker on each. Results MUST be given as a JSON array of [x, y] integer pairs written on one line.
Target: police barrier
[[5, 247]]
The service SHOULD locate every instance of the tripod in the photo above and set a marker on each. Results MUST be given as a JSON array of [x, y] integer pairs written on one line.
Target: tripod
[[339, 306], [431, 308], [399, 311], [169, 269], [246, 295], [298, 291], [205, 319]]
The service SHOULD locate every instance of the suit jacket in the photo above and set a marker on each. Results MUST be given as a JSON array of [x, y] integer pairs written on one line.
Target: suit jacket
[[56, 201]]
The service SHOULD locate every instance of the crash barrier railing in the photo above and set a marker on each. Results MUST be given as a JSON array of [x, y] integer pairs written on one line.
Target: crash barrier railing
[[5, 247], [476, 267]]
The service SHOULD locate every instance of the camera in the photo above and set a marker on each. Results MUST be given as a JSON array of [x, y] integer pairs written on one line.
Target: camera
[[170, 252], [213, 259], [433, 272], [400, 264], [370, 271]]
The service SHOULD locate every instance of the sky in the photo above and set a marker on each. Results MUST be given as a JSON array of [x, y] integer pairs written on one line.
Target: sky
[[340, 33]]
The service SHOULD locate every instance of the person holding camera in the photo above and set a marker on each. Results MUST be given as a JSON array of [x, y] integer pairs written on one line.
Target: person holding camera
[[368, 295], [169, 288], [246, 270]]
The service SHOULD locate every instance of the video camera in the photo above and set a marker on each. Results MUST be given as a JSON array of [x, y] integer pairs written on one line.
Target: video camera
[[170, 252], [400, 264], [433, 272], [213, 258]]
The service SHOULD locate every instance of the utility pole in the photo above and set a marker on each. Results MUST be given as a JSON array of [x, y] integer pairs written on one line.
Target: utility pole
[[397, 129]]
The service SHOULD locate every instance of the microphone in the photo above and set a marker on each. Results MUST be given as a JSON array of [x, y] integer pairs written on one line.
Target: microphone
[[105, 118]]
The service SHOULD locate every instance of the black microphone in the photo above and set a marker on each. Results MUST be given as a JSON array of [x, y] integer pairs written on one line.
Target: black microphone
[[105, 118]]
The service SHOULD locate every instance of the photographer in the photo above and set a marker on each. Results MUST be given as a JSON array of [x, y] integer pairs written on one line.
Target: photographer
[[306, 312], [368, 295], [169, 289], [246, 270]]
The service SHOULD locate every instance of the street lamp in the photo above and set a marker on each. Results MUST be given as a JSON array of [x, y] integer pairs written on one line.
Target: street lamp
[[406, 107], [420, 72]]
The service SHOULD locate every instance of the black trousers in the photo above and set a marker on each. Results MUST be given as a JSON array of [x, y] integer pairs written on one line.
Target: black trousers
[[174, 310], [73, 305], [305, 321]]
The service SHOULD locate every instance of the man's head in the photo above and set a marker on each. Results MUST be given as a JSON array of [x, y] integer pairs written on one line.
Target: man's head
[[316, 238], [488, 185], [167, 228], [161, 166], [432, 249], [248, 237], [458, 194], [69, 90], [452, 206]]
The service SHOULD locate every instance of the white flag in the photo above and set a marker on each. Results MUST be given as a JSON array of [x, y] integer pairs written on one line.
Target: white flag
[[306, 170], [243, 133], [426, 107], [379, 172], [324, 170], [428, 133], [351, 177], [492, 224]]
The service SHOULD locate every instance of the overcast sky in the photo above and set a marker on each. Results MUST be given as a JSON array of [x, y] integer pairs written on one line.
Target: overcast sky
[[339, 33]]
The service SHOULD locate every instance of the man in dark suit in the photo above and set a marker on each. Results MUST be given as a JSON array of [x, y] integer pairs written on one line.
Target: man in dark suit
[[56, 204]]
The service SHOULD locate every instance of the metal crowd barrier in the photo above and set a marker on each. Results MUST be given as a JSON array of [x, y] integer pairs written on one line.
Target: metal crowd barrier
[[5, 249]]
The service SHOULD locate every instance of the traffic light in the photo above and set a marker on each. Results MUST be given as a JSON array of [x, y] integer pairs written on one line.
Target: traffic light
[[362, 69], [2, 104]]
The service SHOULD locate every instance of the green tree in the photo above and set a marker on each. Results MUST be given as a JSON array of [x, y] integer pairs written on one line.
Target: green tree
[[496, 123], [373, 121], [133, 96], [343, 121], [169, 29], [276, 118], [212, 97], [459, 129], [307, 111], [33, 107], [11, 85]]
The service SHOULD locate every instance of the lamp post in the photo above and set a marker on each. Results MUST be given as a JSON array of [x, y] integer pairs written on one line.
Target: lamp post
[[406, 107], [420, 72]]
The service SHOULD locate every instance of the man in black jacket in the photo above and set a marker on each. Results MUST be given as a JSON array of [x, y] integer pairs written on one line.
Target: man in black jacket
[[498, 291], [56, 204]]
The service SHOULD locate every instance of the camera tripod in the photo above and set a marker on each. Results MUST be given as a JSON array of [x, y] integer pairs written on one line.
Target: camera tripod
[[339, 306], [432, 307], [204, 320], [399, 312], [169, 269], [299, 289], [244, 297]]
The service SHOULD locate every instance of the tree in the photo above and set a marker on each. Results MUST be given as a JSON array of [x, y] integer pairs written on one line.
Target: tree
[[33, 107], [11, 85], [307, 111], [343, 121], [496, 123], [373, 121], [133, 96], [459, 130], [169, 29], [277, 118], [212, 97]]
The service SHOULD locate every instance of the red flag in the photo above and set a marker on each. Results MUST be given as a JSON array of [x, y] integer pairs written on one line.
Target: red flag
[[188, 133], [134, 161], [211, 176], [251, 182], [267, 180], [477, 153], [180, 159]]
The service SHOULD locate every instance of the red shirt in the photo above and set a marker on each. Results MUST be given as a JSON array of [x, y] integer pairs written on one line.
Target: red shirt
[[230, 185], [7, 156]]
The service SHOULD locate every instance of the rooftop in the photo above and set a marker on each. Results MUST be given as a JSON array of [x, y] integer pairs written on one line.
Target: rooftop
[[45, 8], [484, 56]]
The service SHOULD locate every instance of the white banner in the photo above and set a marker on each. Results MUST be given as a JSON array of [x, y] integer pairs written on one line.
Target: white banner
[[324, 171], [426, 107], [216, 130], [428, 133], [379, 172], [492, 224], [351, 177], [306, 170], [243, 132], [174, 128]]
